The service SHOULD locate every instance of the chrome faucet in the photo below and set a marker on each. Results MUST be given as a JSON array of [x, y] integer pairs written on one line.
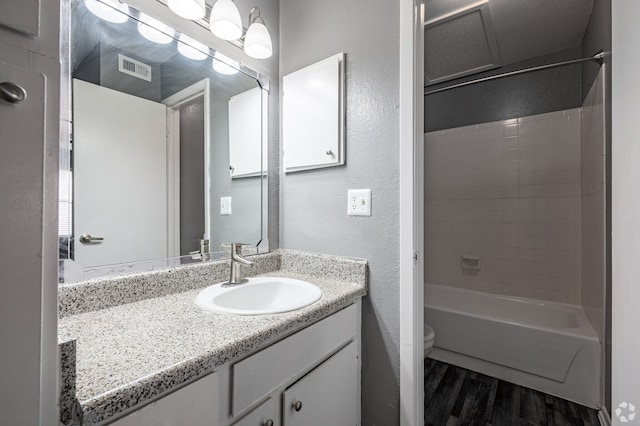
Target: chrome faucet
[[236, 262]]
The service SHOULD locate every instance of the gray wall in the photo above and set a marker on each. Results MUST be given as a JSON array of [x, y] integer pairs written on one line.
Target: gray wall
[[313, 204], [510, 97], [598, 37]]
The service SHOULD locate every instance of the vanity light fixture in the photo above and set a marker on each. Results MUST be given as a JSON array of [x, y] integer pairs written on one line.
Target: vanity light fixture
[[109, 10], [191, 48], [154, 30], [257, 41], [188, 9], [225, 21], [222, 64]]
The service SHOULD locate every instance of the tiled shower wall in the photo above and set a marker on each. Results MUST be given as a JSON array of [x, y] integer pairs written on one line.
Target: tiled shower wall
[[509, 192], [592, 154]]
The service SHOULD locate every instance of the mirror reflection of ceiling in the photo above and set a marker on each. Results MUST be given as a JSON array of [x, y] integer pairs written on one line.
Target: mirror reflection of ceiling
[[463, 37], [93, 41]]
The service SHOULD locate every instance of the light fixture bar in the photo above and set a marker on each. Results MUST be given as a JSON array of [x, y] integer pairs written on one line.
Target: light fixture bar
[[204, 23]]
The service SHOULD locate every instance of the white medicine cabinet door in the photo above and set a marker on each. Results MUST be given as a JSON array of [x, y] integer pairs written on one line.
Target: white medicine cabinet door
[[245, 133], [313, 116], [327, 395]]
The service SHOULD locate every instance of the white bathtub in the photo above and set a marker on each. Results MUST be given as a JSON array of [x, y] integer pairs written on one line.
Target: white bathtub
[[546, 346]]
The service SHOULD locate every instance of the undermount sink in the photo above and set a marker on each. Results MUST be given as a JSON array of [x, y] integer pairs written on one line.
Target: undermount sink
[[261, 295]]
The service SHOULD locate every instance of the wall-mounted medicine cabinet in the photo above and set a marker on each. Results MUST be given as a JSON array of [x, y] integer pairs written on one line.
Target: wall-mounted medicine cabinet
[[313, 116]]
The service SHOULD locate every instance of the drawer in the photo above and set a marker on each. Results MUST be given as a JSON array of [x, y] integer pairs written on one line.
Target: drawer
[[260, 374], [192, 405]]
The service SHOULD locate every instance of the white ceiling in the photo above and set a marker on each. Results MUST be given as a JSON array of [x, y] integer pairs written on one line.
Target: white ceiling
[[463, 37]]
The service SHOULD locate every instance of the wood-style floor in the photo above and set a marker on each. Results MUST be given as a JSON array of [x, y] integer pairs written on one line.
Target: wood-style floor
[[456, 396]]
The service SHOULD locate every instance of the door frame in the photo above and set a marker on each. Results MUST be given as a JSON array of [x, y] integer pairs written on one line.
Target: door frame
[[412, 18], [174, 103]]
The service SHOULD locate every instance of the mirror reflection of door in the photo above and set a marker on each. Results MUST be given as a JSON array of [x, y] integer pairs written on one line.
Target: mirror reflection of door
[[192, 180], [120, 155], [136, 183]]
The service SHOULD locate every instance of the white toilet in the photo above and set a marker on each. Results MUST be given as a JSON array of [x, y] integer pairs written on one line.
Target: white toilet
[[429, 337]]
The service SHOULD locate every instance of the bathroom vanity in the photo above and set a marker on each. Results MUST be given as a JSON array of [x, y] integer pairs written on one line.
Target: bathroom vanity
[[145, 353]]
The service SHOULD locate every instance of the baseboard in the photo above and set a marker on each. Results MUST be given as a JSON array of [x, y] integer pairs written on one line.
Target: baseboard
[[604, 417]]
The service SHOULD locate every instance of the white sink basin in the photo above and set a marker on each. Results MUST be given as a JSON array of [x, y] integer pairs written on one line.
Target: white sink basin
[[261, 295]]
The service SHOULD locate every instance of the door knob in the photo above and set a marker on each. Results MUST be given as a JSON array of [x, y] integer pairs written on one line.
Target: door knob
[[88, 239], [268, 422], [297, 405], [12, 93]]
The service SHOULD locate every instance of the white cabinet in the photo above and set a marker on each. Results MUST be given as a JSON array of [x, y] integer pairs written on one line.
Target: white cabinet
[[191, 405], [246, 118], [267, 414], [313, 116], [317, 367], [278, 365], [311, 378], [327, 395]]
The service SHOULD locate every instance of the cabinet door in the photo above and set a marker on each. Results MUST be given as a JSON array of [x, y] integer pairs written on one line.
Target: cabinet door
[[327, 395], [267, 414], [245, 133], [313, 116], [193, 405], [21, 15]]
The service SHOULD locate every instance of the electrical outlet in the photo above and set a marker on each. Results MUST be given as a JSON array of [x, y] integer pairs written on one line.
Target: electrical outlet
[[359, 202], [225, 206]]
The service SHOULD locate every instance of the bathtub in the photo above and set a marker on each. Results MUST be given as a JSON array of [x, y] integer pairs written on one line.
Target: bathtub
[[550, 347]]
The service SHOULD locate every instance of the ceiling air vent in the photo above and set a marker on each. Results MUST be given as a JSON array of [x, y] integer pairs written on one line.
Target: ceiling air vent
[[135, 68]]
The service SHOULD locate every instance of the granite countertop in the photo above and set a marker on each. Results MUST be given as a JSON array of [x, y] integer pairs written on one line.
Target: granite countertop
[[130, 353]]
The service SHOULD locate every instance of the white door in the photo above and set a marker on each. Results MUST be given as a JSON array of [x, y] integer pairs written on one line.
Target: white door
[[120, 176], [327, 395], [21, 15]]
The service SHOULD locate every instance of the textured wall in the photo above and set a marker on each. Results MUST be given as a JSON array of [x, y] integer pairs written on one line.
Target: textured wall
[[313, 204], [507, 191], [510, 97]]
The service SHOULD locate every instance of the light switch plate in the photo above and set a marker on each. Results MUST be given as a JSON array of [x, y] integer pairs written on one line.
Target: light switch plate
[[225, 206], [359, 202]]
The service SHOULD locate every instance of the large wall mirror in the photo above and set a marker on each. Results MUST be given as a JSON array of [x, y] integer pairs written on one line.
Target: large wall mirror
[[165, 152]]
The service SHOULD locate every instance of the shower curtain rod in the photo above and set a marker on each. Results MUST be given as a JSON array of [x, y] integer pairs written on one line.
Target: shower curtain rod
[[598, 57]]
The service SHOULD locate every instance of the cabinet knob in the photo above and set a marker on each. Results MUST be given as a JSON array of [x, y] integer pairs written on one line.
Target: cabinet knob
[[297, 405], [268, 422], [329, 152], [12, 93]]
